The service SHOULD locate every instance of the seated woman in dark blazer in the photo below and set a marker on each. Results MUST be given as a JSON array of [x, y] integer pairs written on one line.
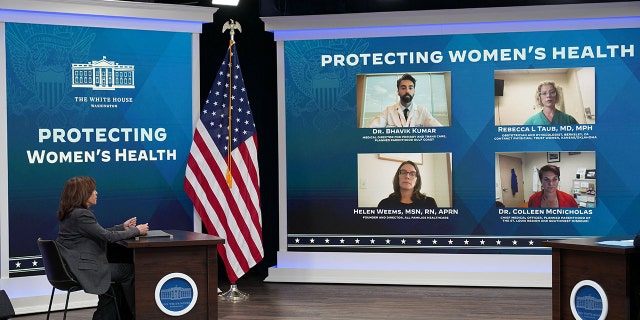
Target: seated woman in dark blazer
[[83, 242]]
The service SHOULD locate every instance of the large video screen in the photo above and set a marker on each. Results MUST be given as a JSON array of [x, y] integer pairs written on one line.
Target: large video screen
[[464, 143]]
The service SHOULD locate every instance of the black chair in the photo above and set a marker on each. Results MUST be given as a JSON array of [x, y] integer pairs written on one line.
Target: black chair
[[59, 276], [6, 309]]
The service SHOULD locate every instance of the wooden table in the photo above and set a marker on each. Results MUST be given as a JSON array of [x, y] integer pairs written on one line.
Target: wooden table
[[616, 269], [186, 253]]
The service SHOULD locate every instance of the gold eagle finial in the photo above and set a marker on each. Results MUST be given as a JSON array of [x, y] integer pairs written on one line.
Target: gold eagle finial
[[233, 26]]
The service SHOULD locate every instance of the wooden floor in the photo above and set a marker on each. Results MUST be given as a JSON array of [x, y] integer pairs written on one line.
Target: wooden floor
[[301, 301]]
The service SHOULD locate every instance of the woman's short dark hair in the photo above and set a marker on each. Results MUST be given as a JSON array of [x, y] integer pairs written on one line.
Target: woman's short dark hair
[[549, 168]]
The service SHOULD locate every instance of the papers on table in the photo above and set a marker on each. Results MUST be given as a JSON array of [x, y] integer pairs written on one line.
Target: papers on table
[[619, 243]]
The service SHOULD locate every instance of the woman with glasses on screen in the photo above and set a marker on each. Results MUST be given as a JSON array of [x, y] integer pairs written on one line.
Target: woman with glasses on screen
[[550, 196], [406, 190], [547, 96]]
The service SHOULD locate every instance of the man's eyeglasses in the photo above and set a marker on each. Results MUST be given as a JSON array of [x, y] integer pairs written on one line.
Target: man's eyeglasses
[[551, 93], [410, 174]]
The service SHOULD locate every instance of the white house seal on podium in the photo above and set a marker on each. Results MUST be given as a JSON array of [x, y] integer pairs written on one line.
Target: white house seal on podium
[[176, 294], [589, 301]]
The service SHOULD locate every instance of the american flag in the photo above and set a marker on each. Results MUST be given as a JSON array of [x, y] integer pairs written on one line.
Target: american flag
[[224, 187]]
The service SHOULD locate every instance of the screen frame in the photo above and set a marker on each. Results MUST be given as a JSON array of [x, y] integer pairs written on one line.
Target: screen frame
[[426, 269]]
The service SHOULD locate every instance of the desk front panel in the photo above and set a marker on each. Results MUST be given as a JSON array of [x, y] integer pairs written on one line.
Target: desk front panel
[[612, 271], [197, 262]]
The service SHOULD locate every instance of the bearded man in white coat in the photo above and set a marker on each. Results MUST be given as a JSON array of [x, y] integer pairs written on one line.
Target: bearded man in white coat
[[405, 113]]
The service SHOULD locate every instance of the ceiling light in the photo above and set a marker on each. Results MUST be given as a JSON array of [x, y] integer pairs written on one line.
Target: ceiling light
[[225, 2]]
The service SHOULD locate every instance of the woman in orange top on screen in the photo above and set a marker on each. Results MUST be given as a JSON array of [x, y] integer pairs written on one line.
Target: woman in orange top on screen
[[550, 196]]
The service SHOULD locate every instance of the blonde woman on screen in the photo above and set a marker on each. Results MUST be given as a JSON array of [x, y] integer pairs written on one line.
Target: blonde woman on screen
[[547, 95]]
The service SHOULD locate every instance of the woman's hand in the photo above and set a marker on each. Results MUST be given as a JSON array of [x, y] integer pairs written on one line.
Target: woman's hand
[[144, 228], [130, 223]]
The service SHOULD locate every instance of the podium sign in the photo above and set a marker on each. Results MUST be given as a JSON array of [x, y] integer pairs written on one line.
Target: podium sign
[[592, 280], [589, 301], [176, 277]]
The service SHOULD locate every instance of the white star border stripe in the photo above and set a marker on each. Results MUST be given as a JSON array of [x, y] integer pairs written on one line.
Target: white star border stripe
[[426, 241]]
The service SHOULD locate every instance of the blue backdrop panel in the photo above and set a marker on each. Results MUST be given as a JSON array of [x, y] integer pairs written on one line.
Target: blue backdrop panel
[[113, 104]]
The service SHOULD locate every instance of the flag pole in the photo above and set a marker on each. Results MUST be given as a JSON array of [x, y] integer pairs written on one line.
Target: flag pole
[[229, 176], [233, 294]]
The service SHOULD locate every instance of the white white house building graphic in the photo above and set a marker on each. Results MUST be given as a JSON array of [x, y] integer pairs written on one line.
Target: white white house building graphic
[[102, 75]]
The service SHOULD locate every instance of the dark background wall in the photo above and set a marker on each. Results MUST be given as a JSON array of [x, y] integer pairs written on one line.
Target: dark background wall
[[257, 54], [307, 7], [313, 7]]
